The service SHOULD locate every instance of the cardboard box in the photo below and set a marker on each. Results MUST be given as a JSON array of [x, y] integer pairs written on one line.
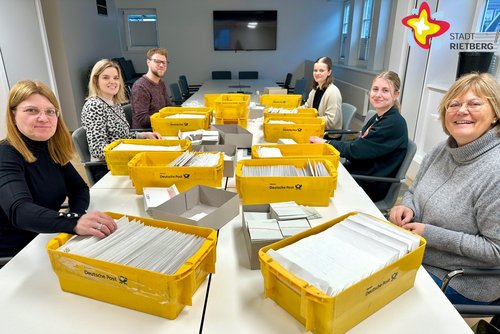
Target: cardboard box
[[234, 134], [155, 196], [229, 151], [220, 207], [275, 90], [253, 245]]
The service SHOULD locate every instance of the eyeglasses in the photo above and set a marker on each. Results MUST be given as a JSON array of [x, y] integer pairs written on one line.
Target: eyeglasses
[[471, 106], [35, 112], [160, 62]]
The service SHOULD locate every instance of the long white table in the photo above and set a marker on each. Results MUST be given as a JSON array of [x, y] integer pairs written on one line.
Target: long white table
[[32, 302], [250, 87]]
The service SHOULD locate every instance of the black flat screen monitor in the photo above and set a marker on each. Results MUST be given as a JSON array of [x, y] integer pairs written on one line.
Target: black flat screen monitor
[[245, 30], [473, 62]]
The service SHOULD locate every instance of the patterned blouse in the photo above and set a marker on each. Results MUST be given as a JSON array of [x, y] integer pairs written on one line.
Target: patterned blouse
[[104, 124]]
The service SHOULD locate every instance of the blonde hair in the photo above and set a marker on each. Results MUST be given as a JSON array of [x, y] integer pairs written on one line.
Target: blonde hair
[[328, 62], [393, 78], [60, 145], [97, 70], [481, 84]]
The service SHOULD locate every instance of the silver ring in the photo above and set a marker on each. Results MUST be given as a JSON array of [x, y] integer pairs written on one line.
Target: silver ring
[[99, 227]]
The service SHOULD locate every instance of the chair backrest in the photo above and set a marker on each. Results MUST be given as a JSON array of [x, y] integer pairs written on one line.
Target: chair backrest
[[300, 88], [369, 115], [248, 75], [392, 195], [183, 85], [127, 109], [221, 75], [176, 93], [79, 137], [288, 81], [348, 111]]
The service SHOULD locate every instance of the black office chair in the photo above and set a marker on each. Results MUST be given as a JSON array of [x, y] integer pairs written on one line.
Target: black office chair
[[300, 88], [248, 75], [288, 81], [385, 204], [475, 311], [186, 94], [221, 75], [4, 260], [191, 88], [79, 137], [176, 94], [348, 112]]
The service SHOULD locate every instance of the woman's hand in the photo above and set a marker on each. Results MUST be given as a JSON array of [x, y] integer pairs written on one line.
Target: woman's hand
[[95, 223], [401, 215], [417, 228], [316, 140], [151, 135]]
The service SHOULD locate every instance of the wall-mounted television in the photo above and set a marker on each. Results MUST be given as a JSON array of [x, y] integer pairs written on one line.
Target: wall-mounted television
[[245, 30]]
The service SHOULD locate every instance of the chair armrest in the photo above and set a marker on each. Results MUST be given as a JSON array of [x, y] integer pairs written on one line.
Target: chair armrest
[[377, 178], [94, 163], [341, 132], [467, 271]]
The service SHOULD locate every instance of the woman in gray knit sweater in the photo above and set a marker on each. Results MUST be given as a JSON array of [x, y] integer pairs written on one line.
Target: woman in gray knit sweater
[[454, 202]]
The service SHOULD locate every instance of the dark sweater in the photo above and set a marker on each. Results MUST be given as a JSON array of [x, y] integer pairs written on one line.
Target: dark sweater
[[147, 98], [32, 193], [379, 152]]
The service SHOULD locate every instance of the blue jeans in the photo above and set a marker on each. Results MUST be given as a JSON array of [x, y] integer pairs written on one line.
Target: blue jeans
[[454, 296]]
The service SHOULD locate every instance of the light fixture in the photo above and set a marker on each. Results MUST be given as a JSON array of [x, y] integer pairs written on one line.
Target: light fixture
[[252, 25]]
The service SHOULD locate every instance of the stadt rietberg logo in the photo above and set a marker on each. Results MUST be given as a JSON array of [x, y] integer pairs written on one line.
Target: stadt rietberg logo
[[424, 27]]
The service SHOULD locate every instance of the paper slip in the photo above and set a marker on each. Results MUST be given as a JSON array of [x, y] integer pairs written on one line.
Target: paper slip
[[198, 216], [265, 234], [136, 147], [256, 215], [289, 231], [265, 224], [269, 152], [302, 223], [185, 116]]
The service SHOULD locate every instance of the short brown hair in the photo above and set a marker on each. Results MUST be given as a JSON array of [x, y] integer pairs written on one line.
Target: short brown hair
[[61, 148], [160, 51], [481, 84], [98, 68]]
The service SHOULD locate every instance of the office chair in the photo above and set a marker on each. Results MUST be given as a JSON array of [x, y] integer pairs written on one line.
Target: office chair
[[475, 311], [191, 88], [288, 81], [176, 94], [248, 75], [300, 88], [186, 94], [385, 204], [221, 75], [79, 137], [348, 112]]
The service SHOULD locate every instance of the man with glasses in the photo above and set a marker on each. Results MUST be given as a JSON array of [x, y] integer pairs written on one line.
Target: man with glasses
[[149, 93]]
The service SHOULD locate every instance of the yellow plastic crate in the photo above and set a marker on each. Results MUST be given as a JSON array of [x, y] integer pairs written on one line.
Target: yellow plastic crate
[[149, 169], [171, 126], [301, 113], [300, 131], [243, 122], [142, 290], [310, 151], [281, 100], [210, 100], [323, 314], [306, 190], [117, 161], [232, 106]]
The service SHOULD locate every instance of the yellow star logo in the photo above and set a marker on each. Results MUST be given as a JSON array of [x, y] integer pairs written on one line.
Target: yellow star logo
[[424, 27]]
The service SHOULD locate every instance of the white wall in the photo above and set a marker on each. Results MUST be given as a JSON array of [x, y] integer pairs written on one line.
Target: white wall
[[307, 29], [78, 37], [24, 47]]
